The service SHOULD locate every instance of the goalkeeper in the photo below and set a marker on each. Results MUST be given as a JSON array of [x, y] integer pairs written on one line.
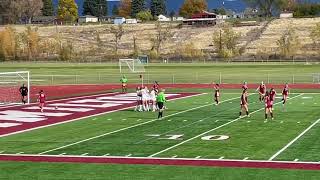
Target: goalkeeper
[[124, 82]]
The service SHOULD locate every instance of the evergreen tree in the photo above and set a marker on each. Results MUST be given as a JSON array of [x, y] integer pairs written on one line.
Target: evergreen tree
[[115, 10], [47, 9], [137, 6], [96, 8], [67, 10], [158, 7]]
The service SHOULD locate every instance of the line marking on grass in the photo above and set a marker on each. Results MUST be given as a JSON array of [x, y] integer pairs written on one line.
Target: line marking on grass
[[296, 160], [293, 141], [198, 157], [128, 155], [208, 117], [20, 153], [174, 156], [133, 126], [109, 119], [106, 154], [84, 154], [281, 122], [221, 157], [223, 125], [139, 119], [62, 154], [246, 158], [2, 152], [86, 117]]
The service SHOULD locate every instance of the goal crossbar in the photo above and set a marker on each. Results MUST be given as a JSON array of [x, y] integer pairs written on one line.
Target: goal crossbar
[[18, 74]]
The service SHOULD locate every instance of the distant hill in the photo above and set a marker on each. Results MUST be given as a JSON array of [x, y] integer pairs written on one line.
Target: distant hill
[[235, 5]]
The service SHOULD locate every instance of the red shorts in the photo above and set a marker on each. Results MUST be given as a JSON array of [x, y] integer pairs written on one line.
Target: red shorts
[[41, 104]]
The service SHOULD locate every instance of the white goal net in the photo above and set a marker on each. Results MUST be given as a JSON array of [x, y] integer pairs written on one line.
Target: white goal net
[[131, 65], [10, 83]]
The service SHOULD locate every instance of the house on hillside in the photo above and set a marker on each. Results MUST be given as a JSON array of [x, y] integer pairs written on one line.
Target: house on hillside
[[87, 19], [44, 20], [119, 20], [177, 18], [286, 14], [131, 21], [163, 18], [203, 18]]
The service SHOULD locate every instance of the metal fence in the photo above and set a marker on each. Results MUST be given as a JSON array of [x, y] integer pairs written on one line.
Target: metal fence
[[177, 78]]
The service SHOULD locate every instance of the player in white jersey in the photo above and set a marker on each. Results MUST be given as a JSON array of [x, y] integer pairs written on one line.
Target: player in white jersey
[[145, 97], [139, 100], [153, 100]]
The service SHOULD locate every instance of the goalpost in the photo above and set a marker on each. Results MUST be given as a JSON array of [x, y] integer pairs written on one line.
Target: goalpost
[[131, 65], [10, 83]]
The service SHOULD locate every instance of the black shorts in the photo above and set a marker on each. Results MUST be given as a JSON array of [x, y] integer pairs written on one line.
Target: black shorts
[[160, 105], [24, 94]]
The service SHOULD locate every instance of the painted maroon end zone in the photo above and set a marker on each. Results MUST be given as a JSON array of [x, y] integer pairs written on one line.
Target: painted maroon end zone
[[55, 120], [162, 161]]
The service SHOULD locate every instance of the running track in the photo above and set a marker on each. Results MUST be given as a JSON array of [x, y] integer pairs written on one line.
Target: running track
[[162, 161]]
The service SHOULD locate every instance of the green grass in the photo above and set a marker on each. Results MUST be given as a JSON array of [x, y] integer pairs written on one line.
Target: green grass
[[251, 138], [89, 73], [58, 171]]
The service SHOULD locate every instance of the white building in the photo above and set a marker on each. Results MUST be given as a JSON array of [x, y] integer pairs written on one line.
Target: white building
[[163, 18], [131, 21], [177, 18], [87, 19], [119, 20], [286, 15]]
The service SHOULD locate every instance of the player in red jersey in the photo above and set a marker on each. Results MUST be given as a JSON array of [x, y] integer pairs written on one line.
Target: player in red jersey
[[217, 94], [41, 100], [268, 106], [272, 95], [156, 86], [244, 103], [262, 91], [245, 86], [285, 93]]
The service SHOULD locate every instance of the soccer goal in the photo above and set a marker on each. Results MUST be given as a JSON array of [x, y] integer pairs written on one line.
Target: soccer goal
[[10, 83], [131, 65]]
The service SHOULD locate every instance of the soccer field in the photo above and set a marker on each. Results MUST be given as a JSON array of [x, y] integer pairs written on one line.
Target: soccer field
[[95, 134], [193, 128]]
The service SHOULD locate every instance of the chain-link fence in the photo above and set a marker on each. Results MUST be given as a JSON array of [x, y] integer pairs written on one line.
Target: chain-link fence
[[177, 78]]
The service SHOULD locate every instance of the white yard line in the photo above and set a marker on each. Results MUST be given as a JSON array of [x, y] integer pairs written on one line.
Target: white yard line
[[155, 158], [293, 141], [130, 127], [223, 125], [94, 115], [195, 122]]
